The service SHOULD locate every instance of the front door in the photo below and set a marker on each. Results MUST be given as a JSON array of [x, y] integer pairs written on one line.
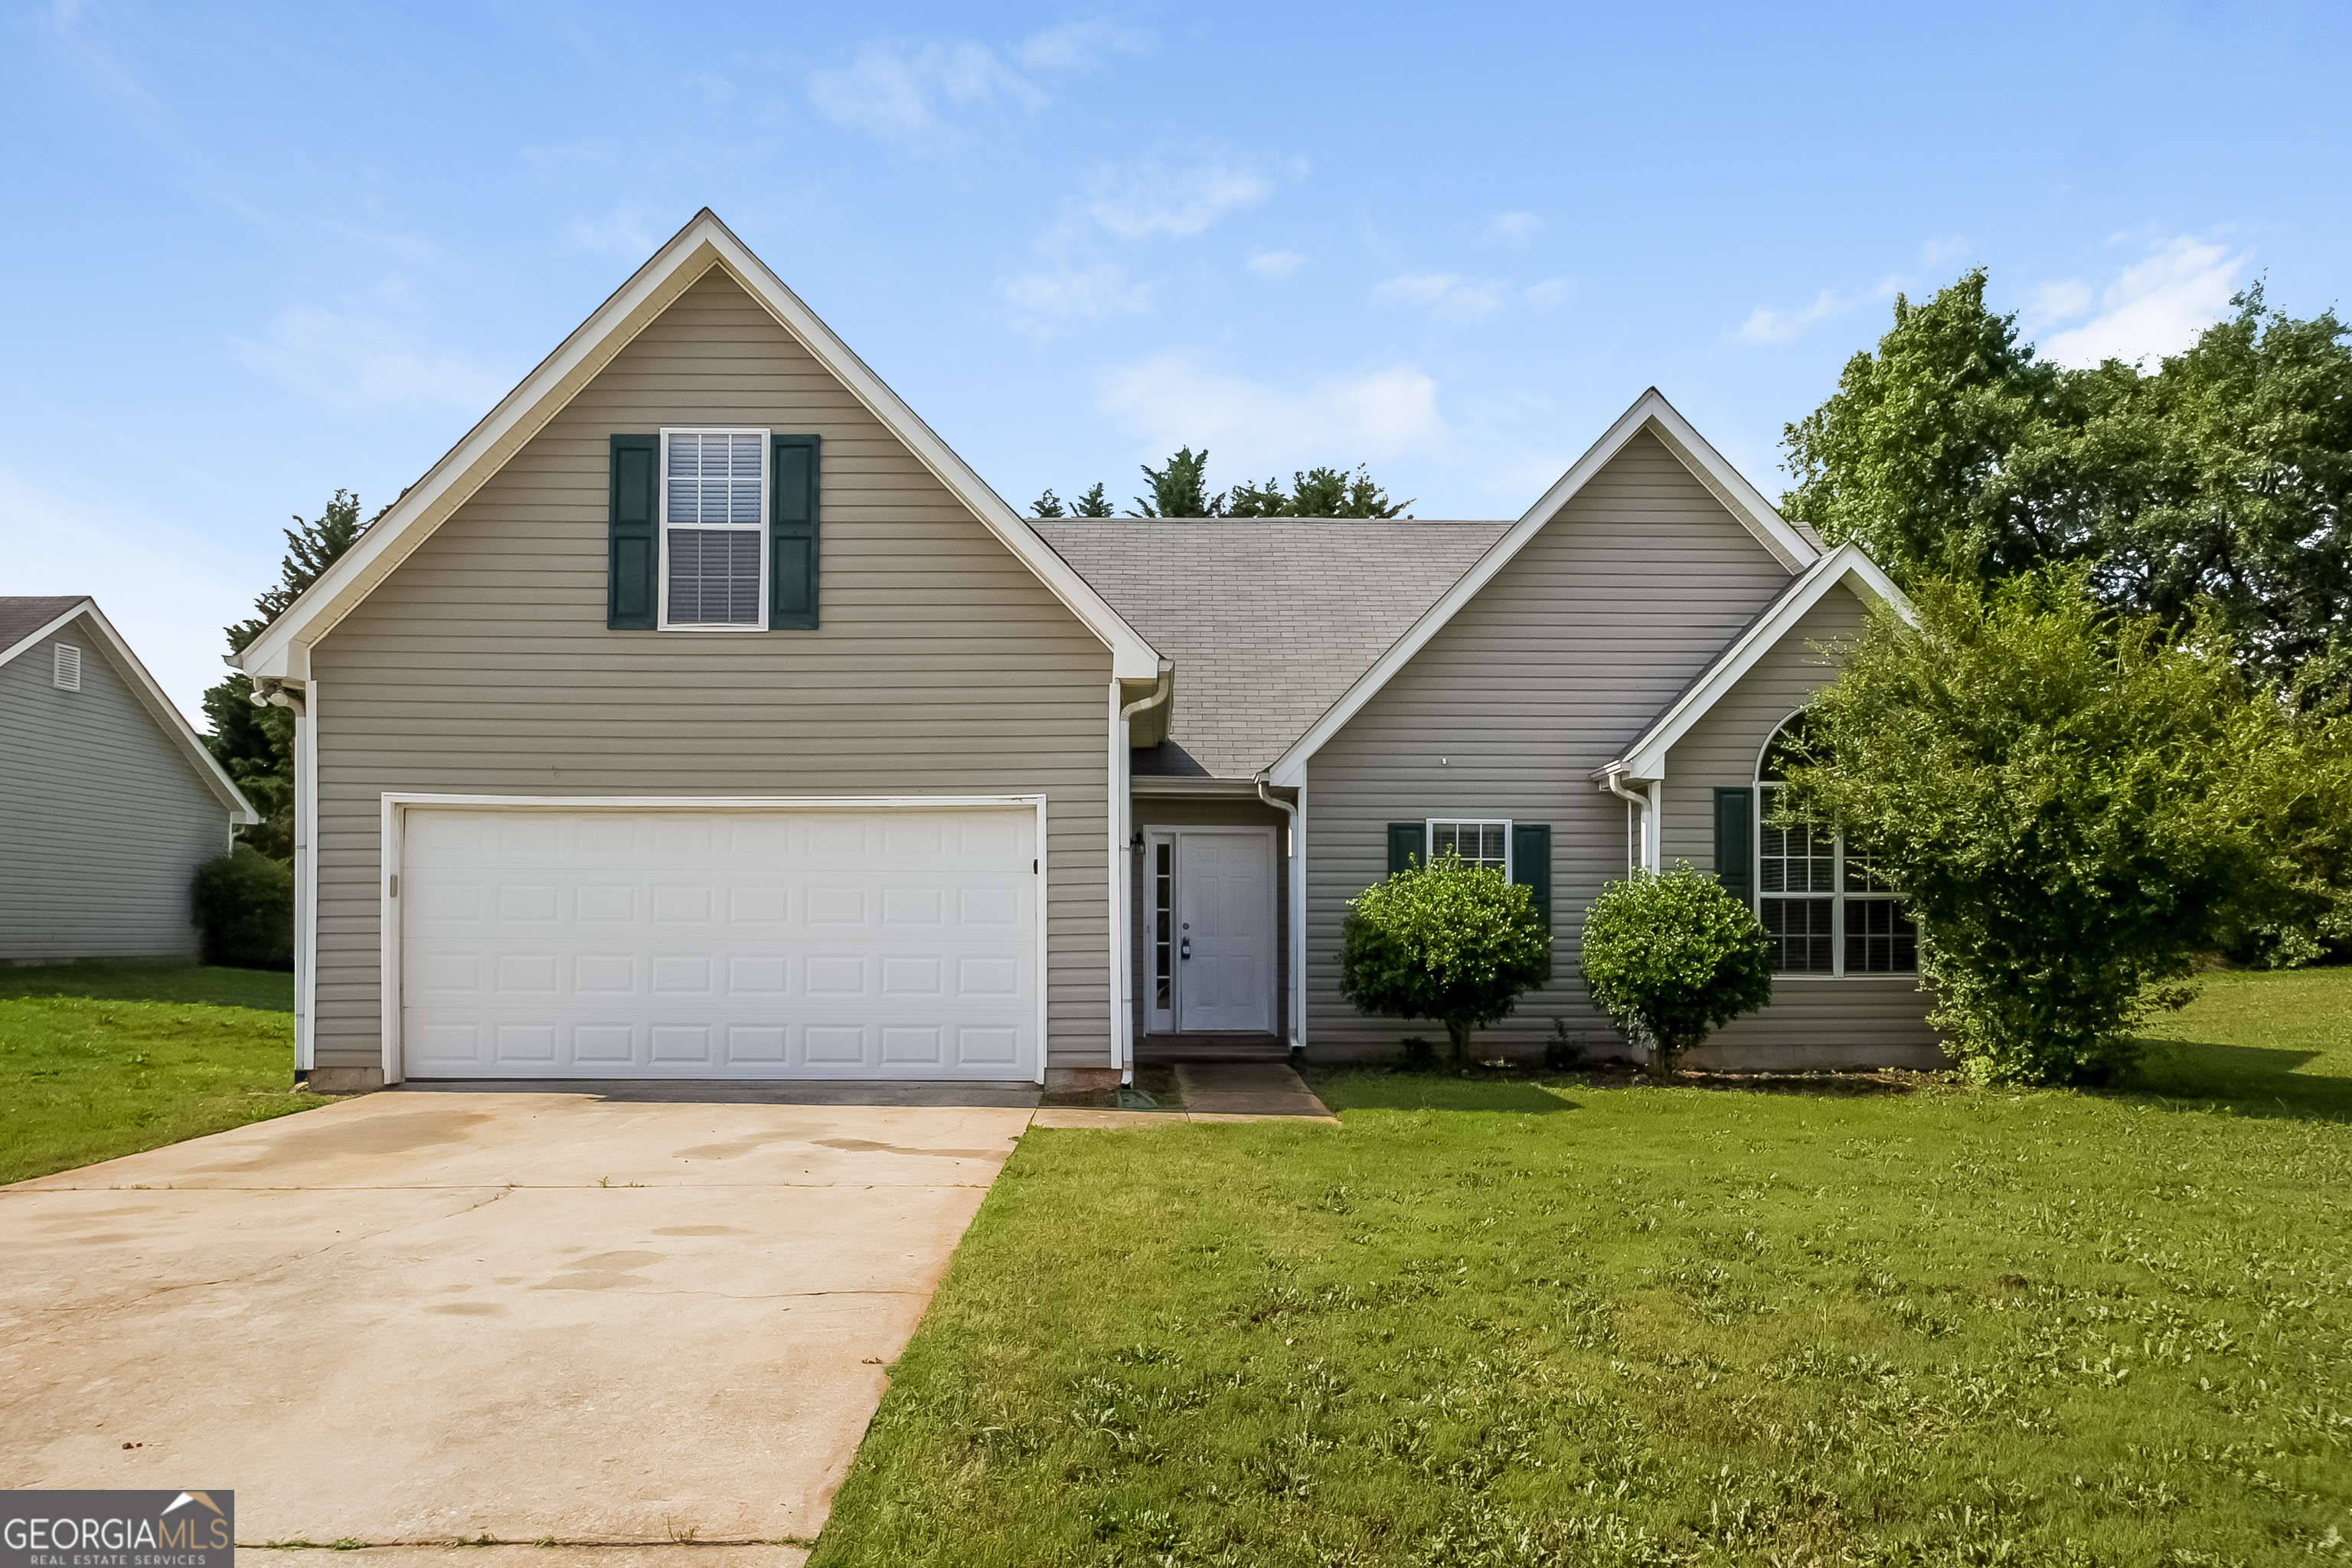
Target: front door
[[1209, 910]]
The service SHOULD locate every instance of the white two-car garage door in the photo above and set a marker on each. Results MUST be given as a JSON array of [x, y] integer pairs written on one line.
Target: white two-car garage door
[[745, 942]]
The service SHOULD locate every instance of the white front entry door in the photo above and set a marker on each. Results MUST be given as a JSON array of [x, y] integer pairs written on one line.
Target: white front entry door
[[553, 942], [1220, 958]]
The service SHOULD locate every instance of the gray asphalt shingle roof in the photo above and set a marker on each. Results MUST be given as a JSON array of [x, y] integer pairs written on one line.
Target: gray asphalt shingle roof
[[1267, 620], [20, 616]]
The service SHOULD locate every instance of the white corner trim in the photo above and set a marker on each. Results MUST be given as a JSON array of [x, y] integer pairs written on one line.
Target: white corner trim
[[1650, 411], [164, 711], [306, 874], [1646, 757], [283, 650]]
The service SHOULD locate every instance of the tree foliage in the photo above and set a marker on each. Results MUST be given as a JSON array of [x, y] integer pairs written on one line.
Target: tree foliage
[[1316, 492], [2073, 802], [1674, 957], [2213, 486], [1444, 941], [1179, 488], [254, 745], [243, 905]]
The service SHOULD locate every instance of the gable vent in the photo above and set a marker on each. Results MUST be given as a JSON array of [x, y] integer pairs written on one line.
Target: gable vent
[[67, 674]]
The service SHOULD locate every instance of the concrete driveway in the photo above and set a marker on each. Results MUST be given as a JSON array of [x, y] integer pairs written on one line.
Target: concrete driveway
[[421, 1317]]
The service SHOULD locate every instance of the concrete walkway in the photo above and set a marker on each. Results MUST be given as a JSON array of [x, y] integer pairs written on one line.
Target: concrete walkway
[[420, 1318], [1211, 1091]]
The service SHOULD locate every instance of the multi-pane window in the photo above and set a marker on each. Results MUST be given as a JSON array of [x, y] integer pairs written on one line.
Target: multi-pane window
[[1826, 906], [1478, 843], [1163, 924], [714, 528]]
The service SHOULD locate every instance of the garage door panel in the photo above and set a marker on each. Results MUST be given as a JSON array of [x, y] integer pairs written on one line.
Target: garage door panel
[[755, 943]]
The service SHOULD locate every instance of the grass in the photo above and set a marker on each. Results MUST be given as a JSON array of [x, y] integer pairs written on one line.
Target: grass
[[149, 980], [84, 1079], [1538, 1323]]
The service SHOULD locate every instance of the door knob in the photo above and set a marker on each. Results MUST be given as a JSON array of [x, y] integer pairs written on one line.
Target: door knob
[[1187, 951]]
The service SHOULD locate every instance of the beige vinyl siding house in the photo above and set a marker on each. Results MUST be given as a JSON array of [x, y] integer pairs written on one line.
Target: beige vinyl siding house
[[1615, 604], [113, 802], [702, 714]]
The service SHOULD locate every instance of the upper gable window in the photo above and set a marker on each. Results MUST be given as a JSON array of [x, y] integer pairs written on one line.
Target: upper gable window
[[714, 530]]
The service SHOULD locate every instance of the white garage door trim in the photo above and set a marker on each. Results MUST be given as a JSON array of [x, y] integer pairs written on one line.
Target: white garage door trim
[[395, 829]]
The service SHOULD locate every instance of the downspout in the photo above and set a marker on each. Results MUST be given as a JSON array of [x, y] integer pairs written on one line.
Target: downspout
[[1122, 927], [1295, 874], [269, 692], [1646, 803]]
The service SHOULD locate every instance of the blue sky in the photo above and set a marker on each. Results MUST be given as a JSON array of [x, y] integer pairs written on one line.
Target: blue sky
[[259, 252]]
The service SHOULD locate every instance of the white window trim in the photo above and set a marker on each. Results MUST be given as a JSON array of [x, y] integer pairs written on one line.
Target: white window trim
[[662, 527], [1837, 895], [1429, 837]]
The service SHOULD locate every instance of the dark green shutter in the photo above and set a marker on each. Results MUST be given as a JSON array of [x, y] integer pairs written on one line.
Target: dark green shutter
[[1408, 843], [1531, 863], [793, 534], [1734, 842], [631, 552]]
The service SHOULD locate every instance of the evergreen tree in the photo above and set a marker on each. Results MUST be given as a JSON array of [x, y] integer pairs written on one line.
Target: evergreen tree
[[255, 744], [1047, 505], [1093, 504], [1177, 489]]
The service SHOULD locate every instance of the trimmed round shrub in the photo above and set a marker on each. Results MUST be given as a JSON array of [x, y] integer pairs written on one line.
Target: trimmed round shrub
[[1449, 942], [244, 908], [1674, 957]]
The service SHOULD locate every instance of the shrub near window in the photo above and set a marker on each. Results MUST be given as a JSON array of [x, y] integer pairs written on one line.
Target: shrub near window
[[1449, 942], [1674, 957]]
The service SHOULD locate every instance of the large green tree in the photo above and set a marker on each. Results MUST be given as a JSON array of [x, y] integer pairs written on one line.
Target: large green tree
[[2212, 485], [2075, 802], [256, 744]]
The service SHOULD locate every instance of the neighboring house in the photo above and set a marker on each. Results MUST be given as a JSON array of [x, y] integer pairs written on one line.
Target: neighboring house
[[701, 714], [113, 801]]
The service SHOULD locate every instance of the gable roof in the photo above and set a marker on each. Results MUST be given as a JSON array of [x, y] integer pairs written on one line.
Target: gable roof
[[27, 623], [1646, 757], [1267, 620], [1794, 547], [283, 650]]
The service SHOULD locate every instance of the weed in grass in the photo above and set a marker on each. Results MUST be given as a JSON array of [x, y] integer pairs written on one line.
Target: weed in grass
[[83, 1080], [1644, 1326]]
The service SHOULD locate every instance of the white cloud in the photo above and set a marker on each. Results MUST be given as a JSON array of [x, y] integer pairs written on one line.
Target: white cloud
[[1550, 292], [2061, 301], [1080, 46], [167, 591], [1950, 247], [1256, 427], [1445, 294], [620, 232], [1516, 227], [1151, 198], [715, 90], [358, 360], [911, 94], [1277, 264], [2156, 306], [1056, 295], [898, 92], [1766, 324]]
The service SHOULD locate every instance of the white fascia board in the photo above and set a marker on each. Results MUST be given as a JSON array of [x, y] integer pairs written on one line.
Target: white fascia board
[[1646, 757], [161, 708], [283, 650], [1650, 411]]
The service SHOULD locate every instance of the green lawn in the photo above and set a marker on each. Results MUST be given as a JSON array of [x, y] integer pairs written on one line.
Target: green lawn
[[1535, 1324], [84, 1079], [145, 980]]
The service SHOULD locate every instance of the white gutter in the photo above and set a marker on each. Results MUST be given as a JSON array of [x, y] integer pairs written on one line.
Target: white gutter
[[1294, 869], [1122, 878]]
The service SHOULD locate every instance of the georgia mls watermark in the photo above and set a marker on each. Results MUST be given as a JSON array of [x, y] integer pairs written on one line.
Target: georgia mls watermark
[[118, 1530]]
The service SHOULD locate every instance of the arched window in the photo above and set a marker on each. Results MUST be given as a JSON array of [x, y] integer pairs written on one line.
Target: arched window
[[1825, 905]]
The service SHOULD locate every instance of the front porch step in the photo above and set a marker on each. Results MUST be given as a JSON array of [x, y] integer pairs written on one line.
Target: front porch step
[[1211, 1047]]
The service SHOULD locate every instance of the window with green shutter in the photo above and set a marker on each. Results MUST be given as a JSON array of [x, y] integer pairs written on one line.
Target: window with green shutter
[[1531, 863], [1735, 851], [630, 549], [1408, 845], [793, 534]]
